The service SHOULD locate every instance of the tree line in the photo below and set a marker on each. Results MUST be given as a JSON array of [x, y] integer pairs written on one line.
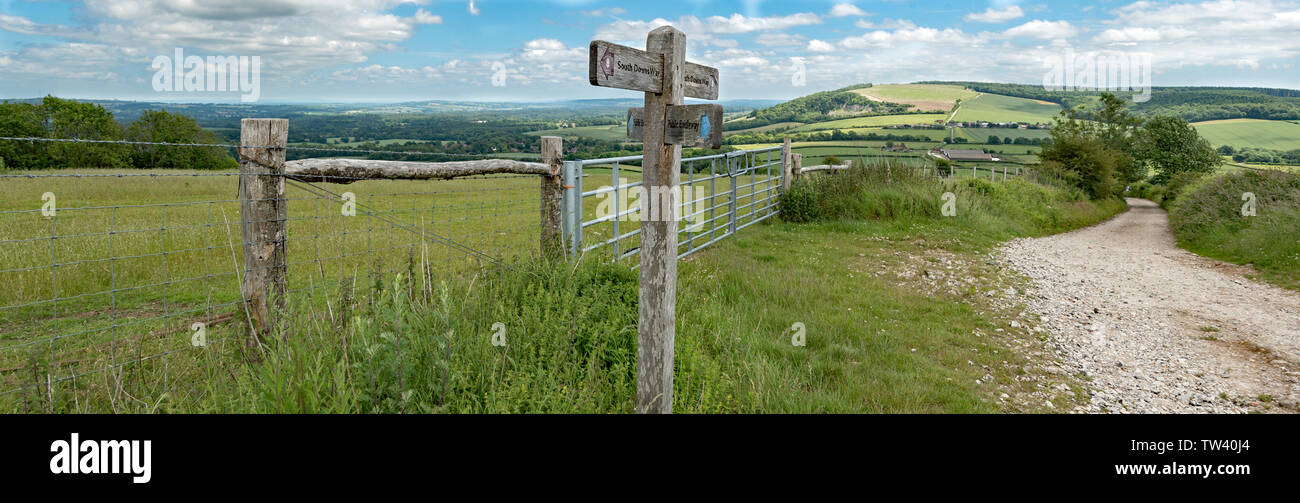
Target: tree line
[[68, 119], [1102, 149]]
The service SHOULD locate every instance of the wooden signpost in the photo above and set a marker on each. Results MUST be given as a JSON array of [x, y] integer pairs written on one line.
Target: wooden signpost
[[613, 65], [686, 125], [663, 126]]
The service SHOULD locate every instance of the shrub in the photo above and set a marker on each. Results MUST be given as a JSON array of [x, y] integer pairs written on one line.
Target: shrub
[[1207, 219]]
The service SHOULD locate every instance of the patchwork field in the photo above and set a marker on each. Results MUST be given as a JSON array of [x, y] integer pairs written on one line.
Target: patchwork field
[[759, 129], [926, 97], [875, 121], [982, 135], [1274, 135], [997, 108]]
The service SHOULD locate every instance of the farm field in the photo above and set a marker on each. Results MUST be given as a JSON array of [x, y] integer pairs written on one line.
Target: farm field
[[383, 143], [759, 129], [982, 135], [816, 152], [1230, 165], [141, 258], [926, 97], [614, 132], [997, 108], [936, 135], [1251, 133], [873, 121]]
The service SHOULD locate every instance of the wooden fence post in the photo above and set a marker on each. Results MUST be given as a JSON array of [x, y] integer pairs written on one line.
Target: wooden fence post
[[657, 298], [797, 165], [263, 218], [552, 195], [786, 166]]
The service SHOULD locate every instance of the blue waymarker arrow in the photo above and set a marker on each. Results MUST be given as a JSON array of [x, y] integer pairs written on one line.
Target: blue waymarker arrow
[[704, 126]]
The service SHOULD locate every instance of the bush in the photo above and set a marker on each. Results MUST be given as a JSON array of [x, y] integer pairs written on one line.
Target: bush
[[1000, 209], [1146, 190], [943, 166], [1207, 219], [1082, 161], [1179, 184]]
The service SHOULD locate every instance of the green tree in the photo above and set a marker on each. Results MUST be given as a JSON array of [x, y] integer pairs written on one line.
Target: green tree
[[84, 121], [1083, 161], [1116, 129], [161, 126], [23, 120], [1170, 146]]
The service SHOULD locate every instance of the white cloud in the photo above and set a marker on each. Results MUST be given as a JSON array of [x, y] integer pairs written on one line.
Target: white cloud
[[820, 46], [741, 24], [473, 10], [424, 17], [991, 15], [846, 9], [1043, 30]]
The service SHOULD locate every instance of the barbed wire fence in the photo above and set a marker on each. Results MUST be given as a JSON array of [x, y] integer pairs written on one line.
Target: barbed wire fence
[[103, 270]]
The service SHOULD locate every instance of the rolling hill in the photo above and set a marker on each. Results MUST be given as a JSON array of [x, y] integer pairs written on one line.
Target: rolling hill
[[999, 108], [1251, 133], [925, 97]]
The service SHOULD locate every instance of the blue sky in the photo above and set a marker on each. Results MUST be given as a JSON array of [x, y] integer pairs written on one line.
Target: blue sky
[[393, 50]]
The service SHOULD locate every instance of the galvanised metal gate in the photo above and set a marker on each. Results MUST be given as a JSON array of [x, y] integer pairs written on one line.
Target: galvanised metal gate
[[720, 194]]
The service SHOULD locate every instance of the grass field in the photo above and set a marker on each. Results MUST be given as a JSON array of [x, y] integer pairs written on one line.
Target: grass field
[[613, 132], [926, 97], [389, 343], [875, 121], [141, 258], [997, 108], [1252, 133], [760, 129]]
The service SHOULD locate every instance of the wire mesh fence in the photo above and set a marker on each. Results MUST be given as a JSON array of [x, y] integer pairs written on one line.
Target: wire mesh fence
[[103, 269]]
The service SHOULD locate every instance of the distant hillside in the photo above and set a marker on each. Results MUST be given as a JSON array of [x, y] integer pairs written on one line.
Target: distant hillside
[[1193, 104], [821, 106]]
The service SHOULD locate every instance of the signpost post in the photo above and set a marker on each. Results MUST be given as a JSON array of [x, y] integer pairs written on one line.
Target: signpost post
[[664, 125]]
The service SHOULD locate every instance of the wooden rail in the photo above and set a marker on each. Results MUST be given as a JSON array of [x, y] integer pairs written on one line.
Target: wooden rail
[[351, 170]]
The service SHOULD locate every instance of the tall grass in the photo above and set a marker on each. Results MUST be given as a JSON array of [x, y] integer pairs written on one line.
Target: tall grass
[[1002, 209], [1207, 219]]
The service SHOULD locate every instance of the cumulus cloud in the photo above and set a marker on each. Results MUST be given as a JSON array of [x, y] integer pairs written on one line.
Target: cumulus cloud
[[424, 17], [846, 9], [820, 46], [1043, 30], [991, 15]]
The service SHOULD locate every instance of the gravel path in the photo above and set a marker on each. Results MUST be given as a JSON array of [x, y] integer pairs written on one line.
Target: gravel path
[[1154, 328]]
